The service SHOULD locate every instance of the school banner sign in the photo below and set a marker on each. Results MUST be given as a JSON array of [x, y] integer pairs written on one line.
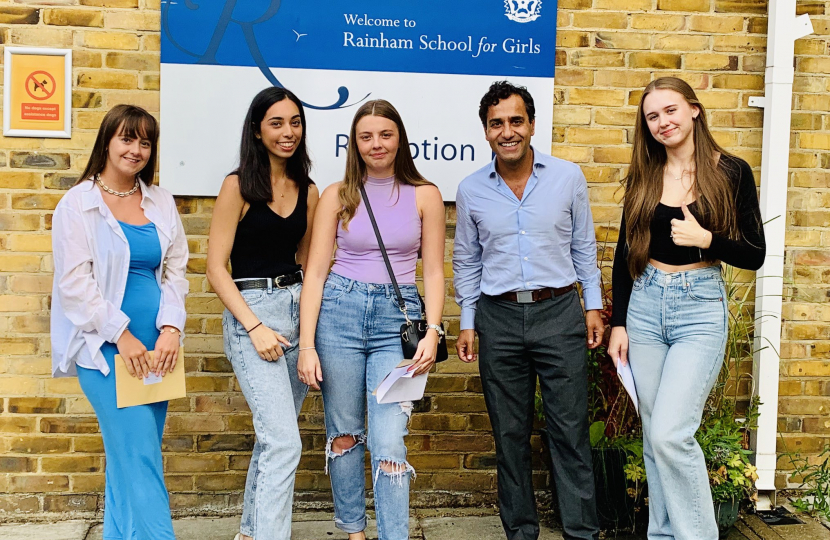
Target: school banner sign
[[432, 59]]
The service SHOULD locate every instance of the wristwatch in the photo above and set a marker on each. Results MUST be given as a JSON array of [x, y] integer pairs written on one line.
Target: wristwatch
[[438, 329]]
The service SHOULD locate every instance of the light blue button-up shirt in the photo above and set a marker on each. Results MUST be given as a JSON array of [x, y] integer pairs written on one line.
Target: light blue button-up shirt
[[504, 244]]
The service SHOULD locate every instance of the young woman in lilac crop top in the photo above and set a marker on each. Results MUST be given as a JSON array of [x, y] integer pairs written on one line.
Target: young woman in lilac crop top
[[357, 255], [688, 206], [350, 320]]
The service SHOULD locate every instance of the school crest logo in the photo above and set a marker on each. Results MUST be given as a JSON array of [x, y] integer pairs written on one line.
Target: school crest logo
[[523, 11]]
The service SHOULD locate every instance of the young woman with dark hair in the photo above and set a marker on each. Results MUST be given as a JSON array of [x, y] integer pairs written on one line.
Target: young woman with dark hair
[[120, 254], [689, 205], [350, 319], [262, 225]]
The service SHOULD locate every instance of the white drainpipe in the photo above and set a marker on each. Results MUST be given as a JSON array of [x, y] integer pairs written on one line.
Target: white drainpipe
[[784, 29]]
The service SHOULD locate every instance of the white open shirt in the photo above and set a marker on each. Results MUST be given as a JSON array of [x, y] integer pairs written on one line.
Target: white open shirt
[[92, 260]]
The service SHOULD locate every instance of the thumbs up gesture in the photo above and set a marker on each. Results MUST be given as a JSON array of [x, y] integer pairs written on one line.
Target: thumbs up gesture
[[688, 232]]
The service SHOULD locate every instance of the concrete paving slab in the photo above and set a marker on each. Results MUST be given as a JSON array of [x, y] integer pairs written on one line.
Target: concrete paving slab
[[191, 529], [809, 530], [472, 528], [65, 530], [226, 528], [434, 524], [206, 528], [318, 530], [325, 530], [742, 531]]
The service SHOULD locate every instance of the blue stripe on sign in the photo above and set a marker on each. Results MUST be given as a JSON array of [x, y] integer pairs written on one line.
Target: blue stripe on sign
[[469, 37]]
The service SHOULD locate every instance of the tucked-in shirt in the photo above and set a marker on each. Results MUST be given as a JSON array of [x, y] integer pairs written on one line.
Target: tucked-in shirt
[[92, 261], [748, 251], [284, 234], [546, 239], [358, 254]]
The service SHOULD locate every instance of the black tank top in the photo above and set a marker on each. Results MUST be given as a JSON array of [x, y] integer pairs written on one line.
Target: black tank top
[[266, 243]]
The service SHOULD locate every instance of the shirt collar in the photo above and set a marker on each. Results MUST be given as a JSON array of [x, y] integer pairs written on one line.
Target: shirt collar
[[92, 196], [537, 162]]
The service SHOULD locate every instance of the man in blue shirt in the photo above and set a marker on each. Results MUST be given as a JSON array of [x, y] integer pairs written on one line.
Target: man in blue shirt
[[524, 236]]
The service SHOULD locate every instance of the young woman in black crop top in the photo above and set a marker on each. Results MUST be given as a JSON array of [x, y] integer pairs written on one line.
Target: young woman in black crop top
[[262, 225], [689, 205]]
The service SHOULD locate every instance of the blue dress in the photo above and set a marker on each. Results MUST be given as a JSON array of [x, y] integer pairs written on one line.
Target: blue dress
[[136, 503]]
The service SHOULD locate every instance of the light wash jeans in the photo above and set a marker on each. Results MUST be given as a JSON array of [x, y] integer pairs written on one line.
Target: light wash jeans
[[358, 343], [275, 396], [677, 324]]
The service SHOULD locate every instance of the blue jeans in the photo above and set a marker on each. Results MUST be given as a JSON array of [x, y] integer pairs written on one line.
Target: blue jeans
[[358, 343], [677, 325], [275, 396]]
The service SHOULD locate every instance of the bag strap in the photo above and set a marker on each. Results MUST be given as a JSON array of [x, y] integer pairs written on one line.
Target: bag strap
[[401, 303]]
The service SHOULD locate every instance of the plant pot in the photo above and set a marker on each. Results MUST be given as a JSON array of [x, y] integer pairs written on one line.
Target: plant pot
[[615, 507], [726, 514]]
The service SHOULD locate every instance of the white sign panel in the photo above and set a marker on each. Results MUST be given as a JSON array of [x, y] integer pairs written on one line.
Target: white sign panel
[[432, 60]]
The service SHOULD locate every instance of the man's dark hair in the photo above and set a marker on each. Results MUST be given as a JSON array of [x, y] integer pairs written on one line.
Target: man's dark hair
[[500, 90]]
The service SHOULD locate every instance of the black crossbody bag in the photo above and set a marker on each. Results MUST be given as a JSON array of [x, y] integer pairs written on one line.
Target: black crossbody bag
[[412, 331]]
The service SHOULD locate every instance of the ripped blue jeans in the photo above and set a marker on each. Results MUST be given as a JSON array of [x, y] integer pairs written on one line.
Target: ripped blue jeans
[[358, 343]]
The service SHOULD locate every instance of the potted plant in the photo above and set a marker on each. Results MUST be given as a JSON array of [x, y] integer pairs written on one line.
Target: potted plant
[[729, 417], [724, 439], [731, 414], [616, 442]]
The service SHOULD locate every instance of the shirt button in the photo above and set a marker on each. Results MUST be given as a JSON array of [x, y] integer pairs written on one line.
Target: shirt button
[[523, 232], [525, 258], [528, 284]]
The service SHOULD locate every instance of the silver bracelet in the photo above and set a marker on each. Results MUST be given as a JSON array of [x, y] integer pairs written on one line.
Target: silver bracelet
[[304, 349]]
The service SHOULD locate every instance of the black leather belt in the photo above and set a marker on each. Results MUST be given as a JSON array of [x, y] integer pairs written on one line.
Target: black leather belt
[[279, 282], [529, 297]]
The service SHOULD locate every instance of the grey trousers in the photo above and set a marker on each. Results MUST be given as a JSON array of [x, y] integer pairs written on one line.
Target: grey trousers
[[517, 343]]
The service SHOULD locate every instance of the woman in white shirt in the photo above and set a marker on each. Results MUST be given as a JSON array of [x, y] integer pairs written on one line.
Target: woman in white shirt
[[120, 253]]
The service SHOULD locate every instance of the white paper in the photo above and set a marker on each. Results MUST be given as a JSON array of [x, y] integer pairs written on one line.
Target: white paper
[[152, 378], [627, 380], [401, 385]]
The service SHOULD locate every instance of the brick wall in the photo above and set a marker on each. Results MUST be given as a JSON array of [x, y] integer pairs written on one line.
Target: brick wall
[[51, 457]]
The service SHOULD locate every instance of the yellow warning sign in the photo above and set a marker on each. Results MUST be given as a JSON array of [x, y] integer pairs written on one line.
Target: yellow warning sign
[[36, 98]]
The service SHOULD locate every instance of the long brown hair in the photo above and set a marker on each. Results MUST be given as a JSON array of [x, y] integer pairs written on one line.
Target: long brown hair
[[714, 195], [136, 123], [405, 170]]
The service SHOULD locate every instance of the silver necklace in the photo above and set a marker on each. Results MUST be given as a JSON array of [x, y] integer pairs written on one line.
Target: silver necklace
[[682, 172], [112, 191]]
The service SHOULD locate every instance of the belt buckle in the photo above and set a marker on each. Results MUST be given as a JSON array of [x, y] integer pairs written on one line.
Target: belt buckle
[[278, 282], [524, 297]]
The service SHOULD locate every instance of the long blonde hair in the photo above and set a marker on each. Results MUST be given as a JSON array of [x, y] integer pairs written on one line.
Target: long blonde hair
[[405, 170], [715, 206]]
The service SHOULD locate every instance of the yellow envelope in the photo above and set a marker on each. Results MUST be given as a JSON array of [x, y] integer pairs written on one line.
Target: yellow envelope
[[131, 391]]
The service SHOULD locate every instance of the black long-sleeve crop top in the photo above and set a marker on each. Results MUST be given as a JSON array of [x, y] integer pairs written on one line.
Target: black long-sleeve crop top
[[747, 252]]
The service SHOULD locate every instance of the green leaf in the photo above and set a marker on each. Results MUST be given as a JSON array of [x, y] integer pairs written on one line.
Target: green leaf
[[596, 433]]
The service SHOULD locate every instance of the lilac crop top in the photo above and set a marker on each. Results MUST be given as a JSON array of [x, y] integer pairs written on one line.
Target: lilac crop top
[[358, 255]]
